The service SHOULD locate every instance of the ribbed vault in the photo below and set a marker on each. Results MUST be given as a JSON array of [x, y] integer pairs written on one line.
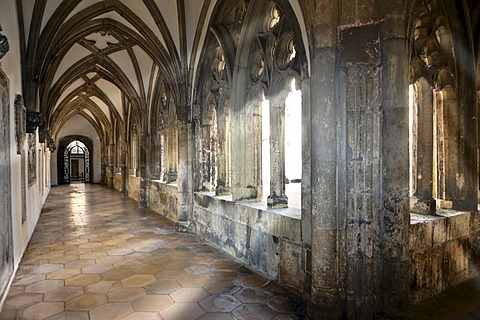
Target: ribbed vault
[[105, 60]]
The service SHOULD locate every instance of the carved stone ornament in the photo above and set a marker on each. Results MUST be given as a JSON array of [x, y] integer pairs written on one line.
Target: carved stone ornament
[[34, 120], [32, 159], [44, 136], [4, 46], [20, 124], [51, 144]]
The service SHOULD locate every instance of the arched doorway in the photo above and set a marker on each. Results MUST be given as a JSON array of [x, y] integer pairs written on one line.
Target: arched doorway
[[77, 162], [74, 160]]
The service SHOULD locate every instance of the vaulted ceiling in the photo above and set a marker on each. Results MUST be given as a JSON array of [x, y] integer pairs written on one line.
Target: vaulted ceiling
[[98, 58]]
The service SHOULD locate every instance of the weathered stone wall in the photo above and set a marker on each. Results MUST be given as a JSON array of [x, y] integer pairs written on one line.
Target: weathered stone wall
[[133, 187], [163, 198], [6, 236], [269, 242], [117, 183], [444, 252]]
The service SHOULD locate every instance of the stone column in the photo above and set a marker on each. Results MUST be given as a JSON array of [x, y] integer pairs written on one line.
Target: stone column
[[223, 187], [185, 176], [277, 197], [423, 201], [111, 166], [246, 152], [394, 208], [104, 165], [323, 265], [143, 201], [123, 167], [171, 153]]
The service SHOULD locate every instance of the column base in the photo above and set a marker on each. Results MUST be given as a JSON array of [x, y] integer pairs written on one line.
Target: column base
[[223, 191], [277, 202], [422, 206], [171, 177], [248, 193]]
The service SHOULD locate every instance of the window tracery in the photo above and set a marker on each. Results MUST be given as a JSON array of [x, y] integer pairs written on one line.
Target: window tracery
[[432, 93], [273, 65], [232, 159]]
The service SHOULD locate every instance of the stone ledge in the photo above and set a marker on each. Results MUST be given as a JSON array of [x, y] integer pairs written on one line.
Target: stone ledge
[[285, 223]]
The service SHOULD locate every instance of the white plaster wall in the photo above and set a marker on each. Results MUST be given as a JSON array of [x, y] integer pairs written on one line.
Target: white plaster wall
[[78, 125], [11, 65]]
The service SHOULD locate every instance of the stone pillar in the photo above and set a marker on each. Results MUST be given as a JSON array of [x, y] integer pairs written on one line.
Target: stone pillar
[[104, 165], [171, 153], [325, 268], [111, 166], [246, 149], [422, 201], [123, 167], [143, 201], [223, 187], [184, 179], [277, 197], [394, 208]]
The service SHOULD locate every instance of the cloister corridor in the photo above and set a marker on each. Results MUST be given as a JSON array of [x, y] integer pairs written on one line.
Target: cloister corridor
[[96, 255]]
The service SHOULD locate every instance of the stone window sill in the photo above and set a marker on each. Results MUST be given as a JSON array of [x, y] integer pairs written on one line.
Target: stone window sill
[[294, 213], [173, 184]]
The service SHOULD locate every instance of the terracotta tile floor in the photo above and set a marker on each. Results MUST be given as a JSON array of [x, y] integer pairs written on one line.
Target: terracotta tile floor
[[95, 255]]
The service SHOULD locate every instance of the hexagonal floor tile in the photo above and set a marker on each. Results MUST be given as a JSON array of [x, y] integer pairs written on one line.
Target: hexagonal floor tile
[[44, 286], [86, 302], [22, 300], [254, 312], [79, 264], [102, 286], [116, 274], [286, 304], [98, 268], [47, 268], [63, 259], [197, 269], [63, 274], [63, 293], [125, 294], [253, 295], [152, 303], [28, 279], [41, 310], [163, 287], [82, 280], [119, 252], [195, 281], [144, 316], [182, 311], [189, 295], [252, 281], [110, 259], [219, 286], [223, 303], [138, 280], [216, 316], [148, 268], [111, 311], [71, 315]]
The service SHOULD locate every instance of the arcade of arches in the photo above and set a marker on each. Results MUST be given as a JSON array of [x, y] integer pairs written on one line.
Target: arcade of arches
[[331, 146]]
